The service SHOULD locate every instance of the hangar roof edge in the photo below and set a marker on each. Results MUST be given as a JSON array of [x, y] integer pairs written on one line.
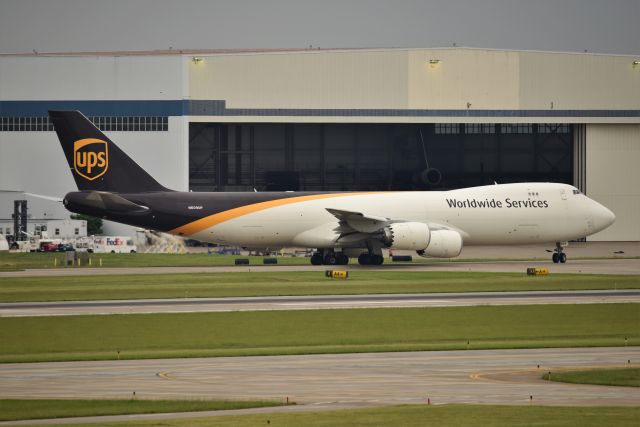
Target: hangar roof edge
[[310, 50]]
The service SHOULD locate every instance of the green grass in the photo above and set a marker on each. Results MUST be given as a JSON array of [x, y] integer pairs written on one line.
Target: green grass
[[18, 409], [628, 377], [19, 289], [29, 339], [23, 260], [421, 416]]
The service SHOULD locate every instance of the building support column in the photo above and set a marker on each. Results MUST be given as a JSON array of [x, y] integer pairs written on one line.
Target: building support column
[[580, 157]]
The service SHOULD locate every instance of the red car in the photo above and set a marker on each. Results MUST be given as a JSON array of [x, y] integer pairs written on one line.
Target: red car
[[48, 247]]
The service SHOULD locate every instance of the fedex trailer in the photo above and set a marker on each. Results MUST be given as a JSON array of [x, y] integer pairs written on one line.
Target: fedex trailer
[[109, 244]]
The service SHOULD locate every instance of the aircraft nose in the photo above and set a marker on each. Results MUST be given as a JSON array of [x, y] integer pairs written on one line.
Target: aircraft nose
[[602, 216]]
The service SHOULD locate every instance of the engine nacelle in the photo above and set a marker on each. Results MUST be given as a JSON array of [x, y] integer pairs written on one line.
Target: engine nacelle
[[443, 244], [412, 236]]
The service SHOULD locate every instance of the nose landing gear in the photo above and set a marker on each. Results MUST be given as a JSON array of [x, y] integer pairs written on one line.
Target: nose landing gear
[[558, 255]]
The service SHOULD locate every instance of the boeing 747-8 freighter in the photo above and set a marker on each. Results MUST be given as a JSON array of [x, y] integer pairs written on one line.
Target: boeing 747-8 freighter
[[337, 225]]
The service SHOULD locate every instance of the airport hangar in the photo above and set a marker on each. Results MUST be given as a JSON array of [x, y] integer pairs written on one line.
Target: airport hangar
[[343, 119]]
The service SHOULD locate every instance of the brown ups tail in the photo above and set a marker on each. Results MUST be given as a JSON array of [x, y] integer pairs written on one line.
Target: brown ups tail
[[97, 164]]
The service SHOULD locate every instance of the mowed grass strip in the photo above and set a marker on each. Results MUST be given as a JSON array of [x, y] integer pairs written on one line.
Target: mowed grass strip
[[422, 416], [27, 339], [24, 260], [18, 409], [21, 289], [627, 377]]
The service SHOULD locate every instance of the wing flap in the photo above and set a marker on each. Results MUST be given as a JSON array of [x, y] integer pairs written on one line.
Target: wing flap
[[358, 221]]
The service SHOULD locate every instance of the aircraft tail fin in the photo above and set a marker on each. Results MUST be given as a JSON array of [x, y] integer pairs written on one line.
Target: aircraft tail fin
[[95, 161]]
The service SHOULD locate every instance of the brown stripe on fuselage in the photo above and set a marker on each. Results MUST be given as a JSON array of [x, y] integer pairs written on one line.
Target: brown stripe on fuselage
[[215, 219]]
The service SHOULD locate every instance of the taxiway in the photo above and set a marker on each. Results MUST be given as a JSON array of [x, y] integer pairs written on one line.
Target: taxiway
[[472, 376], [196, 305]]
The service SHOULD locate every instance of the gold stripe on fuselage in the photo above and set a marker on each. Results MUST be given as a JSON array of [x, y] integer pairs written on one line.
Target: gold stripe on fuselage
[[215, 219]]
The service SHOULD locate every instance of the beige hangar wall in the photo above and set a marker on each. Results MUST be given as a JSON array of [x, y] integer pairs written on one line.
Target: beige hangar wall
[[576, 81], [613, 177], [462, 79], [326, 79], [429, 79]]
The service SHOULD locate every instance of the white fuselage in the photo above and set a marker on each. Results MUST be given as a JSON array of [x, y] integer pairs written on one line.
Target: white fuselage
[[495, 214]]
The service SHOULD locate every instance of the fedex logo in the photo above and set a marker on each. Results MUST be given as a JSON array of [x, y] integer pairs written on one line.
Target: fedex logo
[[114, 242]]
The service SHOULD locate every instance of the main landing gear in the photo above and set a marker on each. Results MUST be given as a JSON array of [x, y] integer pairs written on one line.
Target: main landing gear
[[373, 256], [370, 259], [558, 255], [329, 258]]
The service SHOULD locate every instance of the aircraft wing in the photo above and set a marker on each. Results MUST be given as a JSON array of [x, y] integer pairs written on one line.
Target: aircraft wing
[[355, 228], [359, 221]]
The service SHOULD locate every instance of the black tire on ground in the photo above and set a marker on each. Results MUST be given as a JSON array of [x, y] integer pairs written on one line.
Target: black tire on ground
[[342, 259], [377, 259], [364, 259], [316, 259], [563, 257], [555, 258], [331, 259]]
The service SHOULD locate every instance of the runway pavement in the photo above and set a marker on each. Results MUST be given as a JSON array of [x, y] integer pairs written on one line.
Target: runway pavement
[[342, 380], [586, 266], [192, 305]]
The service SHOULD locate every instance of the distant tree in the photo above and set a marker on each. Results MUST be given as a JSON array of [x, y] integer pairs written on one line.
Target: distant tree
[[94, 225]]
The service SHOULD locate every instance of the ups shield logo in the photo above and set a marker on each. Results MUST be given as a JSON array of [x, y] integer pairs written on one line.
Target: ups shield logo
[[90, 158]]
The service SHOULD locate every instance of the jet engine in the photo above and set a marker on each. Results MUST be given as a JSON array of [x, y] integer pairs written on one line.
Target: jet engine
[[413, 236], [443, 244]]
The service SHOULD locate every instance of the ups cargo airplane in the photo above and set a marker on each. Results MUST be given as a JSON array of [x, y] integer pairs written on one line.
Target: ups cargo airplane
[[338, 225]]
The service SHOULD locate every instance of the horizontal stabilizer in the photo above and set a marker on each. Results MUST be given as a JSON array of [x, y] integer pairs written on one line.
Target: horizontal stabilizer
[[110, 202], [40, 196]]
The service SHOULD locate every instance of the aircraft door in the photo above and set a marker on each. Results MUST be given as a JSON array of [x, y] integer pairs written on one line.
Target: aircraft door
[[563, 194]]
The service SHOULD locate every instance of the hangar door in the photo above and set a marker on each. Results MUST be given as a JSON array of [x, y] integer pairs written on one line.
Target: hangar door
[[312, 157]]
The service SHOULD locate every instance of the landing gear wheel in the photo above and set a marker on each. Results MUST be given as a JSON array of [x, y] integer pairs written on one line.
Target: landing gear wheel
[[342, 259], [316, 259], [377, 259], [364, 259], [331, 259], [558, 255]]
